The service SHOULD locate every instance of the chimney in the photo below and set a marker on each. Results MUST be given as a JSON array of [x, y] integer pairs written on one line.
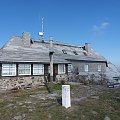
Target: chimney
[[26, 39], [51, 50], [88, 47]]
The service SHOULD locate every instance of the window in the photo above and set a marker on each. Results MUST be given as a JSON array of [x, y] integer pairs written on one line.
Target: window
[[8, 69], [24, 69], [38, 69], [75, 52], [61, 68], [85, 53], [64, 51], [70, 67], [99, 68], [49, 69], [86, 68]]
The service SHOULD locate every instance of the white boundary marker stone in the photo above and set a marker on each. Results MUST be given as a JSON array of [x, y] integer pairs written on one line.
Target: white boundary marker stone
[[66, 101]]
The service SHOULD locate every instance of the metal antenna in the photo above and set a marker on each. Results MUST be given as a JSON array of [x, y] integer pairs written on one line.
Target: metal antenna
[[41, 34], [43, 25]]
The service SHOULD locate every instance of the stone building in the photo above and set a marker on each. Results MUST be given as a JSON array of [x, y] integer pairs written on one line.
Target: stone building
[[25, 61]]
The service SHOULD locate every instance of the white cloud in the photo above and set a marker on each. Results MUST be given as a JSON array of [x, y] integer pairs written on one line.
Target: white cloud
[[101, 27], [104, 25]]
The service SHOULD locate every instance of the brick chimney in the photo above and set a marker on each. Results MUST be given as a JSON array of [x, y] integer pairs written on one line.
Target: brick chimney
[[88, 47], [26, 39]]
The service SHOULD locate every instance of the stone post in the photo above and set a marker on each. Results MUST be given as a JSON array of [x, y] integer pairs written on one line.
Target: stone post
[[66, 101]]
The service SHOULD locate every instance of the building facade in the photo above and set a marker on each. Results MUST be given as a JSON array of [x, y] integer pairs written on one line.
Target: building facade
[[25, 61]]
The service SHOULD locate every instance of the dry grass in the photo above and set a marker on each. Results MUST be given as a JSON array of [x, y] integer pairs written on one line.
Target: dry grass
[[19, 103]]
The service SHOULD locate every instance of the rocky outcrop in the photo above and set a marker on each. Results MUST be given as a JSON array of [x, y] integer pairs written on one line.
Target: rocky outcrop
[[111, 72]]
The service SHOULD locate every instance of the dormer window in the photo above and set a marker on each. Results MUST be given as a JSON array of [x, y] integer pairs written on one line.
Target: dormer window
[[85, 53], [64, 51], [75, 52]]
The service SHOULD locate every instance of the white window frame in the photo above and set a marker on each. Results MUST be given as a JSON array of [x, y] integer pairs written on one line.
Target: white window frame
[[99, 68], [10, 68], [86, 67], [59, 71], [39, 67], [24, 68], [70, 67]]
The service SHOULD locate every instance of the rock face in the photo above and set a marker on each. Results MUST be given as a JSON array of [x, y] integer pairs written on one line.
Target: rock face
[[18, 118], [107, 118], [112, 71]]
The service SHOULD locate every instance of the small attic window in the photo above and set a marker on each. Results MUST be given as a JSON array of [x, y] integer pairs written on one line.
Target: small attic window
[[75, 52], [31, 41], [64, 51], [83, 47], [85, 53]]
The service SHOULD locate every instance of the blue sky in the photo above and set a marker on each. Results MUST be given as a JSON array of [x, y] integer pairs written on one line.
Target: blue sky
[[70, 21]]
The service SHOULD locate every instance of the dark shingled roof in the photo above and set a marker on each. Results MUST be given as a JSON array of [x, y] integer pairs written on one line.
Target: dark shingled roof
[[24, 49]]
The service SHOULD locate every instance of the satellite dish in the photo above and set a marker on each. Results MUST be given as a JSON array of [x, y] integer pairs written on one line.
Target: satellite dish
[[41, 34]]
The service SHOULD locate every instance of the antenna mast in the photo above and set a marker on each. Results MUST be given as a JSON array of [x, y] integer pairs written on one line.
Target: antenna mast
[[42, 25], [41, 34]]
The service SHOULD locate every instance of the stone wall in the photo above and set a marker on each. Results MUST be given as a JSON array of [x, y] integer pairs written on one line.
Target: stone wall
[[21, 82], [7, 83], [92, 76], [62, 77]]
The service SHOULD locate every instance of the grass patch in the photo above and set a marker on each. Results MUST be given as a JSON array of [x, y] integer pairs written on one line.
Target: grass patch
[[108, 104], [58, 86]]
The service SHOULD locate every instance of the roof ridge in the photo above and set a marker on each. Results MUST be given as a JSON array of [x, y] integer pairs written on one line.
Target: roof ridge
[[55, 43]]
